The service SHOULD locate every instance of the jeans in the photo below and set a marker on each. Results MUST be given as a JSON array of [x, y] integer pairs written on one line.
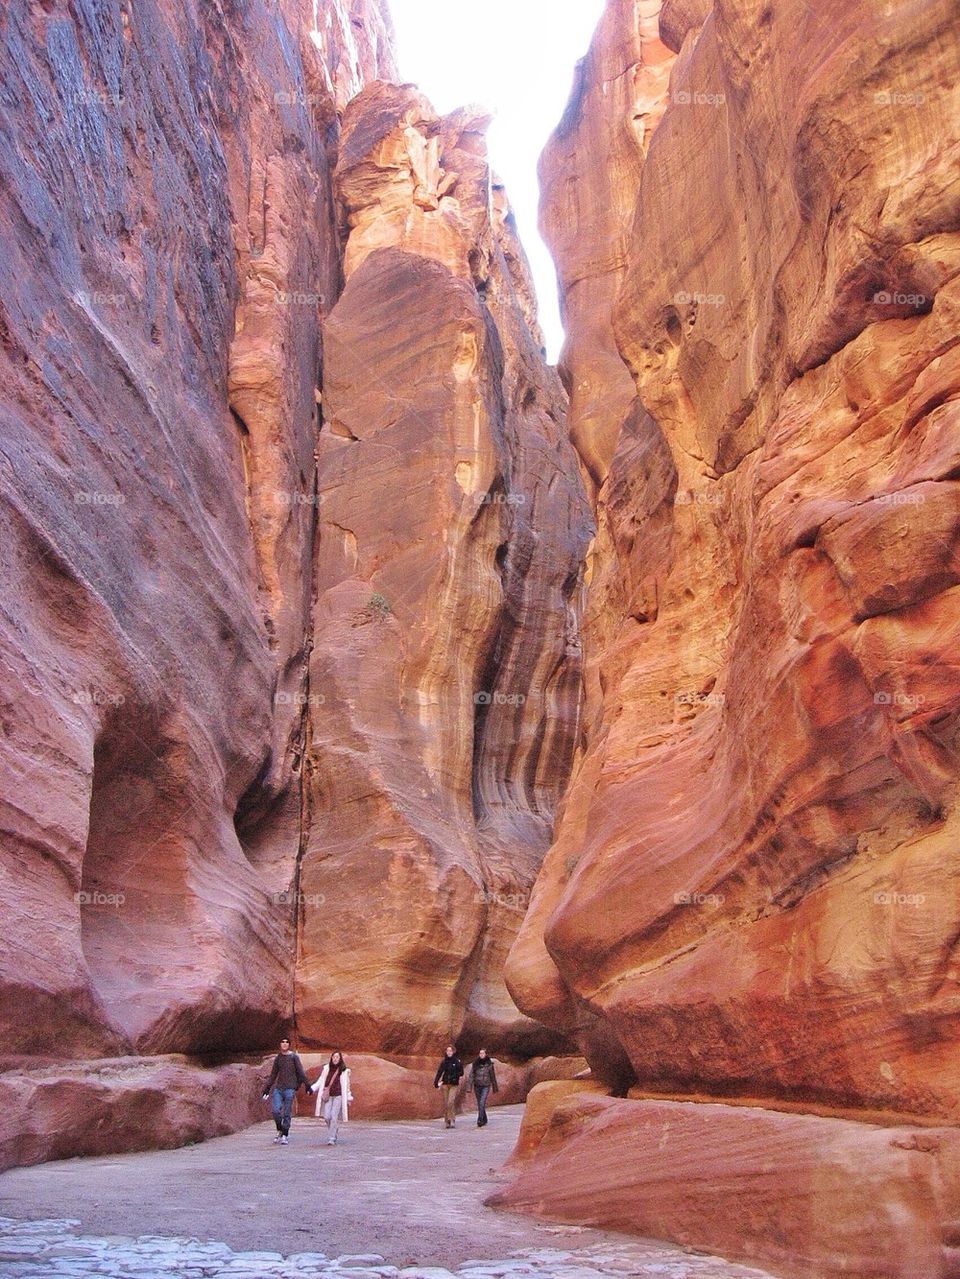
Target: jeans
[[281, 1103], [449, 1103], [332, 1110], [482, 1092]]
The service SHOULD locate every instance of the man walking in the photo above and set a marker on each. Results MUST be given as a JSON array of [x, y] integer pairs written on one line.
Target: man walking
[[483, 1076], [285, 1078], [448, 1076]]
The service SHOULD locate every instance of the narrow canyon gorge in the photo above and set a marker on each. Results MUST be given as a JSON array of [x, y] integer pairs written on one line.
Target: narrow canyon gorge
[[367, 677]]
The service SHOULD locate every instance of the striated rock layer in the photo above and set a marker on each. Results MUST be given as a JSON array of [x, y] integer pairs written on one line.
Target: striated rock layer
[[754, 892], [809, 1197], [290, 580], [166, 192], [446, 654]]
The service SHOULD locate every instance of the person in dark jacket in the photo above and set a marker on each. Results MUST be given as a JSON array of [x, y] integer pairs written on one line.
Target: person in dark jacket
[[448, 1076], [483, 1076], [286, 1077]]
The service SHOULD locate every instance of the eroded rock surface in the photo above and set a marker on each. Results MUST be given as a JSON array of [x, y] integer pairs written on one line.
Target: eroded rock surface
[[446, 647], [166, 192], [290, 583], [753, 893]]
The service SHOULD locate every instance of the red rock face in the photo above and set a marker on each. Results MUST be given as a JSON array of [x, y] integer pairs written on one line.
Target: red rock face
[[446, 659], [291, 580], [753, 892], [813, 1198]]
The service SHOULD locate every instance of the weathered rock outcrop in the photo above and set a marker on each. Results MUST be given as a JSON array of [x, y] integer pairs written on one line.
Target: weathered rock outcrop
[[753, 894], [230, 679], [446, 657], [808, 1197], [166, 197], [60, 1110]]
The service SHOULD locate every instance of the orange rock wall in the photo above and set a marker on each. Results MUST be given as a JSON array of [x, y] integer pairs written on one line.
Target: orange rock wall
[[446, 657], [289, 658], [753, 892]]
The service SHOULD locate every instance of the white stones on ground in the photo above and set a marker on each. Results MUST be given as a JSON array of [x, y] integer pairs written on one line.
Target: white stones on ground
[[41, 1249]]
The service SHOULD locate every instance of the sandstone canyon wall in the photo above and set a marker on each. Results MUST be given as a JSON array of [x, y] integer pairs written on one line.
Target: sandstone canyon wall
[[291, 571], [754, 892]]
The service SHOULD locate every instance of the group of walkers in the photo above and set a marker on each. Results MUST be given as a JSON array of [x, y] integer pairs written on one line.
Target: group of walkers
[[334, 1095], [483, 1078]]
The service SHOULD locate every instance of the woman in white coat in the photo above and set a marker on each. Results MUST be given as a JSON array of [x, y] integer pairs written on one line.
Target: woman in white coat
[[333, 1094]]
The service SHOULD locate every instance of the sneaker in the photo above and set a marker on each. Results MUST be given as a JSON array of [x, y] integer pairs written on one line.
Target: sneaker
[[284, 1141], [331, 1142], [276, 1138]]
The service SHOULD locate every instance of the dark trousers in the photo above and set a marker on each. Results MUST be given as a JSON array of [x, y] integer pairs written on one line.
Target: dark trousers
[[281, 1103], [482, 1093]]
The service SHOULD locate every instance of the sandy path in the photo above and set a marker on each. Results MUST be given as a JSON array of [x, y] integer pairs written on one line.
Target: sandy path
[[411, 1192]]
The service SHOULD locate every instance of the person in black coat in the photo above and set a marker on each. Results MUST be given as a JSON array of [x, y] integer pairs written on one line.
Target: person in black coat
[[483, 1076], [448, 1076], [286, 1077]]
